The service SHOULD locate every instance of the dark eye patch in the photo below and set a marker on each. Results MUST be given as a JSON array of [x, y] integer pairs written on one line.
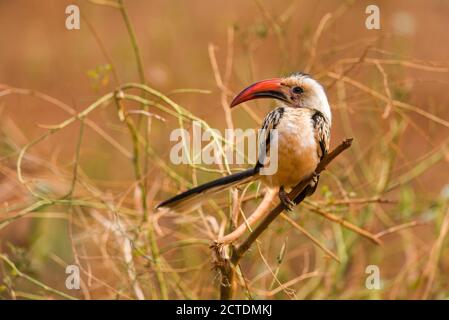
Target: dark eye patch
[[297, 90]]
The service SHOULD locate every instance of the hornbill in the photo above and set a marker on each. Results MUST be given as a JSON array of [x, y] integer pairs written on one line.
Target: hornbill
[[303, 125]]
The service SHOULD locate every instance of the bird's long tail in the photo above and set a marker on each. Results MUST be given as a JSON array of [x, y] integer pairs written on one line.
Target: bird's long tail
[[192, 198]]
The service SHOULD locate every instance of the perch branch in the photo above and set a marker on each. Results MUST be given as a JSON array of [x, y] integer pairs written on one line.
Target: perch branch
[[227, 265], [259, 213]]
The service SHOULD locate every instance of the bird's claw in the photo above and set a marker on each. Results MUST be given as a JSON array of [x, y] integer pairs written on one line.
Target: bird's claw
[[285, 200], [315, 178]]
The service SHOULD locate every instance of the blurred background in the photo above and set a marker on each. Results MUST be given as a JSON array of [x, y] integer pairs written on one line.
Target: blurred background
[[71, 195]]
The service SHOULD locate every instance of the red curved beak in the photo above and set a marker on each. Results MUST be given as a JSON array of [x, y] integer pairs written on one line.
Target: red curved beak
[[270, 88]]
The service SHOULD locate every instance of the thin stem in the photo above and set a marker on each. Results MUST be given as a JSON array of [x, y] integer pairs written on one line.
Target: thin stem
[[32, 280], [142, 80], [140, 180], [137, 165], [133, 38]]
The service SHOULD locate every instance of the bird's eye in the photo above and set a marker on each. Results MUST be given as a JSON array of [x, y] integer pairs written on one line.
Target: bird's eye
[[297, 90]]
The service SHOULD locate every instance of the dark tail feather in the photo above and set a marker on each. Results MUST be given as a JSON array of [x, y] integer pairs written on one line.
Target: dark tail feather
[[191, 198]]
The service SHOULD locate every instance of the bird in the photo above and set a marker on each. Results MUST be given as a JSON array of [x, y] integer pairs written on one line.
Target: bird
[[302, 121]]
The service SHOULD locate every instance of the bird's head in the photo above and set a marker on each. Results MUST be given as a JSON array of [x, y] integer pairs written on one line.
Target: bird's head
[[298, 91]]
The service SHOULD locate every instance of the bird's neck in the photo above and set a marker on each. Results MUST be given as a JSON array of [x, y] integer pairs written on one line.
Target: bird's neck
[[325, 110], [320, 103]]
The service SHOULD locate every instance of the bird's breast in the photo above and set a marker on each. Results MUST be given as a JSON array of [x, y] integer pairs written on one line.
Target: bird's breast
[[297, 155]]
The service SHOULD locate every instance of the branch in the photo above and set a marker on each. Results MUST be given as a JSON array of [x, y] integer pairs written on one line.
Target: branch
[[299, 192], [263, 208]]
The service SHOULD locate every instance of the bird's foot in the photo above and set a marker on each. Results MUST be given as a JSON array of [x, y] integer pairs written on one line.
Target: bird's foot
[[285, 200], [313, 184], [315, 178]]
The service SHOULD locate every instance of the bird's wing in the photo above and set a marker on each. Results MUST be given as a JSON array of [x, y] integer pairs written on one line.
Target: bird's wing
[[265, 135], [322, 133]]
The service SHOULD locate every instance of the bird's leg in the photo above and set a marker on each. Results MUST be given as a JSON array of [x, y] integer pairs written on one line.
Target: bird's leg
[[308, 191], [285, 200], [313, 184]]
